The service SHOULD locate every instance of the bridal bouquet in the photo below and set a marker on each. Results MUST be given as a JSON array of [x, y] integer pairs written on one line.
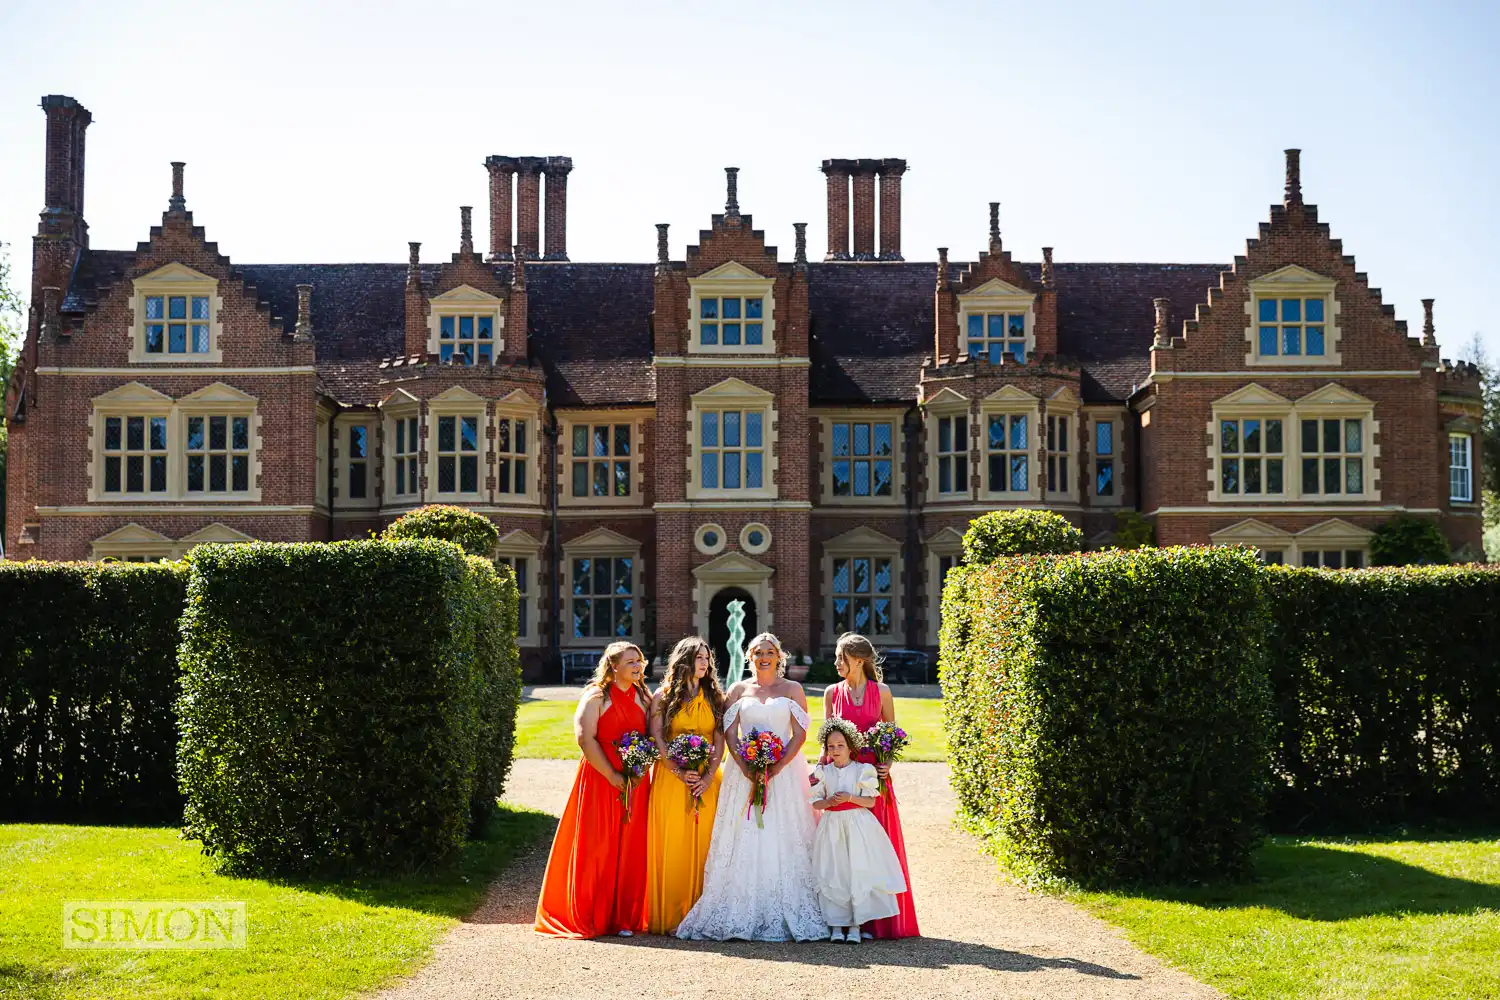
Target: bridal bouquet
[[691, 753], [886, 740], [760, 751], [637, 754]]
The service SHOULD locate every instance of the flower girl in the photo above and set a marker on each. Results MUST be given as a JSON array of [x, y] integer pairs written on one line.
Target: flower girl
[[857, 870]]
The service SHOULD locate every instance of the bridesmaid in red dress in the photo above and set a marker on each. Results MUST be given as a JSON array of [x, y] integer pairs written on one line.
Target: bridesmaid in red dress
[[864, 700], [596, 874]]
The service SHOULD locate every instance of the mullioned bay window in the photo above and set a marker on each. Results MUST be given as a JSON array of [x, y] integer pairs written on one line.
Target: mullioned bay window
[[862, 458], [601, 459], [458, 454], [1266, 447]]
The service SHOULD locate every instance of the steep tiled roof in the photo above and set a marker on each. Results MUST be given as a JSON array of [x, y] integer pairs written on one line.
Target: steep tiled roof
[[591, 323]]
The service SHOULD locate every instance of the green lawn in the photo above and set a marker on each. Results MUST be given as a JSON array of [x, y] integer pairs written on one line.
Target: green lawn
[[305, 940], [545, 728], [1403, 920]]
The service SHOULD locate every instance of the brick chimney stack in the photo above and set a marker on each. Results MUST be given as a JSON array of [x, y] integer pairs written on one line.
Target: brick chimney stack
[[67, 121], [1293, 178], [799, 258], [466, 230], [890, 208], [1163, 322], [837, 172], [1048, 279], [304, 313], [502, 180], [557, 169], [1429, 332], [529, 205], [663, 255], [995, 245], [864, 210], [177, 203]]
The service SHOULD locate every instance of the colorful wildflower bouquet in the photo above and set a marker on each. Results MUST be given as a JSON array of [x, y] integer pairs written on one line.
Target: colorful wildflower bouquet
[[760, 751], [637, 754], [691, 752], [886, 740]]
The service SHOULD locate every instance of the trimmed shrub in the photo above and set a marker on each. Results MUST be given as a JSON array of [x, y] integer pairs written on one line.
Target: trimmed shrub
[[474, 533], [337, 702], [1387, 695], [1108, 713], [1132, 531], [88, 680], [1004, 533], [496, 608], [1407, 541]]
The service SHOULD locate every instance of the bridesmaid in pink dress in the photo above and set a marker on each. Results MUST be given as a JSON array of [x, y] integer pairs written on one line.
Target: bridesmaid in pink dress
[[864, 700]]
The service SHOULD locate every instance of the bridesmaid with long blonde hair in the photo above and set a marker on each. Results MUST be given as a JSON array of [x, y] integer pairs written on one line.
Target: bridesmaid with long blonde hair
[[596, 874], [689, 702]]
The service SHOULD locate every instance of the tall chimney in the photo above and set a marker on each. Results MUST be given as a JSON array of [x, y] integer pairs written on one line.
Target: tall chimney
[[864, 210], [663, 257], [558, 168], [1429, 332], [304, 312], [837, 172], [1047, 277], [890, 208], [177, 203], [67, 121], [466, 230], [528, 204], [502, 180], [1163, 336], [731, 192]]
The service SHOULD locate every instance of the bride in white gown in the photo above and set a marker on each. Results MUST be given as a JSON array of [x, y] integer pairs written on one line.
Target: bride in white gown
[[758, 882]]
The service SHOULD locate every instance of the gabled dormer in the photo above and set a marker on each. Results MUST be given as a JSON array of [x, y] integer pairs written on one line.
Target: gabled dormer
[[995, 313]]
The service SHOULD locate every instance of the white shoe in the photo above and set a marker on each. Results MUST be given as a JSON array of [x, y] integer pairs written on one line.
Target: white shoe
[[853, 937], [626, 933], [836, 934]]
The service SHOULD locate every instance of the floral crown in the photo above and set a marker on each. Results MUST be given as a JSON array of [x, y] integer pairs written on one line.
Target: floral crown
[[851, 733]]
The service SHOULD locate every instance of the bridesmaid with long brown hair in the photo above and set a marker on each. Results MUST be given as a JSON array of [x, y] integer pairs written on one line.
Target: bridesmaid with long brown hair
[[596, 874], [690, 702], [863, 698]]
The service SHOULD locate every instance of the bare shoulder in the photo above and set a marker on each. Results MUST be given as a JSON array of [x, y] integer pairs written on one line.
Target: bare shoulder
[[791, 689], [735, 693]]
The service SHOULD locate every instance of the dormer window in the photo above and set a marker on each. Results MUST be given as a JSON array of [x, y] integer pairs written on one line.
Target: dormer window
[[177, 324], [731, 321], [465, 338], [999, 337], [175, 317]]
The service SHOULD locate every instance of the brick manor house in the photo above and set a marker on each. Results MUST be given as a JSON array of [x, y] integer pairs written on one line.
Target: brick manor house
[[655, 439]]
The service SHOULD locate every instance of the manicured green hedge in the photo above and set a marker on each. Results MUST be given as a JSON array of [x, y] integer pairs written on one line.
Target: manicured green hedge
[[1108, 713], [1387, 695], [474, 533], [496, 606], [1002, 533], [342, 704], [88, 678]]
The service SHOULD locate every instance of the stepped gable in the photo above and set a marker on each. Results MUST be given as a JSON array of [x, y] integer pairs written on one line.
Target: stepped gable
[[591, 331]]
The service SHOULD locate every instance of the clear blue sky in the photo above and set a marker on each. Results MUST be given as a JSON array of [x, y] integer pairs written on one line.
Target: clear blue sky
[[1112, 131]]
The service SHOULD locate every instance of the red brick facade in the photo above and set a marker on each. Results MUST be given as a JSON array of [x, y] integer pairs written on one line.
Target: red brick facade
[[870, 425]]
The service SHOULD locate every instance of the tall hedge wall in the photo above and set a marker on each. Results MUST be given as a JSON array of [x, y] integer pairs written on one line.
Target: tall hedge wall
[[1108, 713], [342, 703], [1387, 695], [497, 603], [88, 678]]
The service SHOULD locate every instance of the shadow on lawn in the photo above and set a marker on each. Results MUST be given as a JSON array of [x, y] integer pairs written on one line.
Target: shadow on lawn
[[1322, 883]]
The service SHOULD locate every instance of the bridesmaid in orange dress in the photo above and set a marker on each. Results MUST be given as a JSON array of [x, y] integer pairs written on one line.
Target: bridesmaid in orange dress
[[596, 874], [863, 699]]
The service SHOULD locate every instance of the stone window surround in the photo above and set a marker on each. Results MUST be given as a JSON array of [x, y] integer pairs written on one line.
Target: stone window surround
[[1293, 281], [703, 546], [1091, 416], [767, 538], [1334, 533], [945, 542], [519, 544], [456, 402], [733, 394], [894, 417], [732, 279], [1455, 435], [996, 296], [1255, 402], [566, 420], [946, 403], [1007, 401], [1063, 403], [136, 400], [175, 279], [601, 542], [863, 541], [341, 424], [732, 569], [134, 540], [464, 300]]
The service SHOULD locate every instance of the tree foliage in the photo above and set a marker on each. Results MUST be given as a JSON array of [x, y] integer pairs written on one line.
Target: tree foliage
[[10, 343], [1408, 541]]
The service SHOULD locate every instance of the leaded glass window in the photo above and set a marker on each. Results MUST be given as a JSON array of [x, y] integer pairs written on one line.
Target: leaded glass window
[[731, 449], [458, 455], [1007, 447], [603, 597], [177, 324], [1333, 459], [218, 454], [1251, 457], [465, 338], [953, 455], [862, 594], [135, 455], [1290, 327], [731, 321], [862, 458], [998, 337], [601, 455]]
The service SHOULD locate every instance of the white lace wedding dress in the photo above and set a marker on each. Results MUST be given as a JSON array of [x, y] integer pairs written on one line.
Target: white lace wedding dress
[[758, 882]]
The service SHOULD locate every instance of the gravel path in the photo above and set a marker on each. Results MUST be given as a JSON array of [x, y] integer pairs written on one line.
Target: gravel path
[[985, 938]]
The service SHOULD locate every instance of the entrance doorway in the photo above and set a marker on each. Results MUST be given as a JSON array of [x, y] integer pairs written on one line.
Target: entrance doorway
[[718, 624]]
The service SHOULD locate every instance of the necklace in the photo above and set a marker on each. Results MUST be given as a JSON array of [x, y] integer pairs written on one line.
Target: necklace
[[858, 700]]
